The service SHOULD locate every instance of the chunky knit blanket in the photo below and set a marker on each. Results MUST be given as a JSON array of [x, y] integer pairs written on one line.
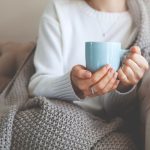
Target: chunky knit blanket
[[39, 123]]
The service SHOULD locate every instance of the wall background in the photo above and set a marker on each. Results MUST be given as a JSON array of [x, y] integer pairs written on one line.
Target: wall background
[[19, 19]]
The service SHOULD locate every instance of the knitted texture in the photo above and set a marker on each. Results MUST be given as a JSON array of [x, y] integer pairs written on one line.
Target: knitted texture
[[40, 123], [61, 126]]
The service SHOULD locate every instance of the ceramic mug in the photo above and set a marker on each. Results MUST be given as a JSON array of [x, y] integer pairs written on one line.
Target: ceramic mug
[[99, 54]]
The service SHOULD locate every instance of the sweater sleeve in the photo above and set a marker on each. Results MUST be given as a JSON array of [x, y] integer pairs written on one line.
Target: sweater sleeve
[[117, 103], [49, 79]]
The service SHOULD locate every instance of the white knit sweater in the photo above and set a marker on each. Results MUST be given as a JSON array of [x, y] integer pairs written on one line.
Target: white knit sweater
[[64, 28]]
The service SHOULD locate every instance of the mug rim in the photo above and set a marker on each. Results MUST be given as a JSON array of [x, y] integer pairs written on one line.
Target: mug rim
[[96, 42]]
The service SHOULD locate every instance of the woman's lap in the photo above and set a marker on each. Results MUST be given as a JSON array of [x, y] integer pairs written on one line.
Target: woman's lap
[[64, 126]]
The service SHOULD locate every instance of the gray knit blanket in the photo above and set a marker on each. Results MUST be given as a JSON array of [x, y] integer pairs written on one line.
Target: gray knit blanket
[[46, 124]]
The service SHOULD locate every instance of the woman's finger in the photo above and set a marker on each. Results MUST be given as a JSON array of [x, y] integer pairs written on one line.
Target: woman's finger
[[110, 85], [98, 75], [135, 49], [98, 88], [138, 72], [115, 85], [139, 60], [129, 74], [80, 71], [122, 77]]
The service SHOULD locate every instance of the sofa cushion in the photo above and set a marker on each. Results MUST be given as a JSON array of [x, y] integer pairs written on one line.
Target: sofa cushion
[[12, 55]]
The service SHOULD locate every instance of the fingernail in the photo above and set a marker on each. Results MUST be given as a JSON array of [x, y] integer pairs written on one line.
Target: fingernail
[[136, 49], [87, 74], [108, 66], [111, 70]]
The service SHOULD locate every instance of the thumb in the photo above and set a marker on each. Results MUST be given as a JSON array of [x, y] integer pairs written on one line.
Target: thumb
[[80, 72], [135, 49]]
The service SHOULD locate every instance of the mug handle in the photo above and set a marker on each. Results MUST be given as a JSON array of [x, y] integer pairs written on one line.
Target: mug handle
[[123, 55]]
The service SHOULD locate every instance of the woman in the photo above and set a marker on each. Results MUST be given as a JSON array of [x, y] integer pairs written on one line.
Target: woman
[[65, 27]]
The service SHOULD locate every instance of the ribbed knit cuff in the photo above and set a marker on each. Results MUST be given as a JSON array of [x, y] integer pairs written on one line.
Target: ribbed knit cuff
[[125, 93], [63, 88]]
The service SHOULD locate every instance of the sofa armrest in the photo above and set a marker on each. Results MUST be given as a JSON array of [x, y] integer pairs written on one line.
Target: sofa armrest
[[12, 55]]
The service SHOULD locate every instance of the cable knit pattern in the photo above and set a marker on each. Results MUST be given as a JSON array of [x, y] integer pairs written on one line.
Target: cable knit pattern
[[40, 123]]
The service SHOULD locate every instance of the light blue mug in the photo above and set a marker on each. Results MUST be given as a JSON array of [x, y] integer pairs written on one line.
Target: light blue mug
[[99, 54]]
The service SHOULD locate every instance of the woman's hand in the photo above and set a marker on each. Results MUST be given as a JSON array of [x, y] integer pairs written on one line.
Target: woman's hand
[[81, 82], [104, 83], [87, 84], [133, 68]]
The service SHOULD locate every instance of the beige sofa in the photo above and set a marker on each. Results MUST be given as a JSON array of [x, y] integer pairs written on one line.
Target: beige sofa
[[12, 55]]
